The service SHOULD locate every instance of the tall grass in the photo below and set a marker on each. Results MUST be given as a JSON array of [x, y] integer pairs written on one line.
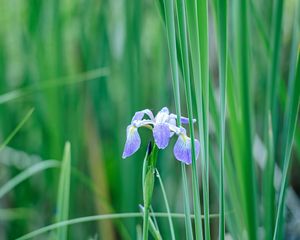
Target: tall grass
[[85, 67]]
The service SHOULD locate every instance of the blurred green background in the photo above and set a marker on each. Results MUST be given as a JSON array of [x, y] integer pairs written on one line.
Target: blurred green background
[[86, 66]]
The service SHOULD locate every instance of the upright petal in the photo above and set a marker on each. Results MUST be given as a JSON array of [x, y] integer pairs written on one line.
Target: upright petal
[[161, 134], [162, 116], [183, 149], [140, 114], [133, 141]]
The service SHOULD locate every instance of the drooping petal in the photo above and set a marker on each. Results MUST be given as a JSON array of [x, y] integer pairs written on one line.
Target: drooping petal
[[140, 114], [161, 134], [183, 149], [133, 141], [162, 116]]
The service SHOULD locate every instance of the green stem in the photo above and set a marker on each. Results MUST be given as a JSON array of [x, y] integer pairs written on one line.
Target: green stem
[[146, 223], [148, 184]]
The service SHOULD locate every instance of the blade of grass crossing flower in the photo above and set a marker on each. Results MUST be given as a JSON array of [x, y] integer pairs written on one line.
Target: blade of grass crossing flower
[[167, 205], [202, 23], [291, 120], [181, 9], [181, 23], [222, 46], [16, 130], [171, 36], [64, 191], [192, 22]]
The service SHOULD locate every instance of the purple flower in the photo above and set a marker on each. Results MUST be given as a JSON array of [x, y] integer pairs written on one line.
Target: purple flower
[[163, 126]]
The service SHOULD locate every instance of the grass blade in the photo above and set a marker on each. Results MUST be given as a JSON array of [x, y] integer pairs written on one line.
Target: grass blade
[[203, 32], [167, 205], [246, 168], [222, 45], [27, 173], [291, 121], [100, 218], [171, 35], [16, 130], [194, 40], [64, 81], [64, 191]]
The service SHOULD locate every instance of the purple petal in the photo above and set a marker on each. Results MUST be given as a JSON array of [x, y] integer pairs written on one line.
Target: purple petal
[[161, 134], [140, 114], [183, 151], [133, 141], [162, 116], [183, 120]]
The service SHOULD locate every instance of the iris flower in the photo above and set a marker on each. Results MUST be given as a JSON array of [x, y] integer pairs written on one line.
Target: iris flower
[[163, 126]]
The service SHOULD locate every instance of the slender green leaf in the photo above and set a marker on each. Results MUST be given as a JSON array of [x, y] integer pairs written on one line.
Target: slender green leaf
[[16, 130], [171, 36], [167, 205], [27, 173], [64, 191], [222, 46], [100, 218], [291, 121]]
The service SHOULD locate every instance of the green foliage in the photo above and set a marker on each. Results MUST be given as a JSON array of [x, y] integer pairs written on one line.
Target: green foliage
[[85, 67]]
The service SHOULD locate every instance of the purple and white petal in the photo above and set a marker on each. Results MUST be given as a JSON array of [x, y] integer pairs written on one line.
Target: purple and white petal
[[140, 123], [162, 116], [161, 134], [174, 129], [133, 141], [183, 120], [140, 114], [172, 126], [183, 149]]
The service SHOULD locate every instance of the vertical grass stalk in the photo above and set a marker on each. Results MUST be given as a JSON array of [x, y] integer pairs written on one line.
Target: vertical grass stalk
[[182, 19], [63, 199], [167, 205], [272, 87], [171, 36], [222, 46], [291, 121], [203, 32], [247, 170]]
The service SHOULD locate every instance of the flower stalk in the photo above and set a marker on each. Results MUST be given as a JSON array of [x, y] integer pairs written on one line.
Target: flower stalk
[[148, 184]]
